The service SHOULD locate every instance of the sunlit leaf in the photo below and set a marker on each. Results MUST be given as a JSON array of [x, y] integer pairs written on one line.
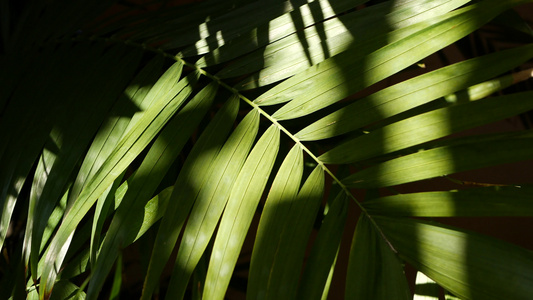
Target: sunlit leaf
[[275, 214], [239, 211], [467, 264], [192, 178], [297, 52], [428, 126], [325, 80], [211, 201], [416, 91], [235, 22], [280, 271], [126, 110], [299, 18], [128, 221], [134, 142], [487, 201], [440, 161]]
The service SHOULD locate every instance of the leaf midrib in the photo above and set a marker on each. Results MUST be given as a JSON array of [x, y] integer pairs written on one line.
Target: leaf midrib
[[236, 92]]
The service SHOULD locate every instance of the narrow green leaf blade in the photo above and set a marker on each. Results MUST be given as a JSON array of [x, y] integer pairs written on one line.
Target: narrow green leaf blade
[[192, 178], [467, 264], [239, 212], [486, 201], [154, 210], [76, 265], [321, 261], [444, 160], [117, 279], [237, 21], [299, 51], [128, 222], [283, 191], [46, 161], [415, 92], [66, 290], [282, 270], [126, 110], [107, 203], [326, 79], [129, 147], [285, 25], [374, 270], [211, 201], [286, 269], [429, 126], [72, 134]]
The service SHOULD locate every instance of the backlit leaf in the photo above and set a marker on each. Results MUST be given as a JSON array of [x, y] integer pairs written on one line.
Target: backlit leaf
[[467, 264], [239, 211]]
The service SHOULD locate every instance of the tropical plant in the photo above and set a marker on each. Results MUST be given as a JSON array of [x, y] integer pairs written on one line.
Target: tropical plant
[[182, 130]]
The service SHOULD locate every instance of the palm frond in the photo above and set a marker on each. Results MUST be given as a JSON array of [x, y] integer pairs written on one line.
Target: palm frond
[[197, 130]]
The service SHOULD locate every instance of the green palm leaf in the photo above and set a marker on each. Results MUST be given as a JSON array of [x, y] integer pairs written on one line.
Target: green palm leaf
[[467, 155], [374, 271], [124, 228], [284, 190], [456, 259], [191, 179], [426, 127], [242, 203], [133, 127], [286, 257], [486, 201], [415, 92], [211, 201], [316, 278]]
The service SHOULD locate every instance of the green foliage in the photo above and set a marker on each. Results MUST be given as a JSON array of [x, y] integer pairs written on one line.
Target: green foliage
[[193, 132]]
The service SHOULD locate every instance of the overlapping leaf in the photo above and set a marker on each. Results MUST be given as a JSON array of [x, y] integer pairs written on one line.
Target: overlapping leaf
[[470, 153], [428, 126], [283, 191], [415, 92], [125, 227], [374, 270], [469, 265], [297, 52], [239, 211], [316, 278], [211, 201], [278, 271], [487, 201], [327, 83], [134, 142], [192, 178]]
